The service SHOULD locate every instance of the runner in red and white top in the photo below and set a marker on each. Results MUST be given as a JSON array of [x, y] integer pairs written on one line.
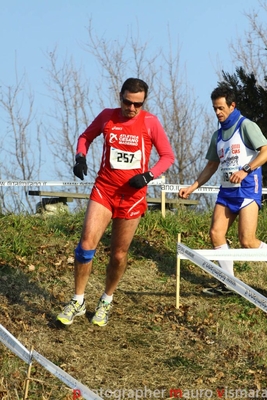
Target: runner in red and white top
[[119, 192]]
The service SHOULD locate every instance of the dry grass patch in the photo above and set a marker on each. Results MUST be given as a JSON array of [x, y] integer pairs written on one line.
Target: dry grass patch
[[207, 343]]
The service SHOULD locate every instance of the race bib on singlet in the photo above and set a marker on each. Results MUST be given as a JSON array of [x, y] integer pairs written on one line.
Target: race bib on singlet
[[226, 173], [120, 159]]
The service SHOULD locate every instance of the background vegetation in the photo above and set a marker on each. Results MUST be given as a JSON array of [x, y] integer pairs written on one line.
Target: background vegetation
[[208, 343], [75, 101]]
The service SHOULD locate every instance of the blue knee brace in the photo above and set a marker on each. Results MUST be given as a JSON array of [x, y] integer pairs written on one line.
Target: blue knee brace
[[83, 256]]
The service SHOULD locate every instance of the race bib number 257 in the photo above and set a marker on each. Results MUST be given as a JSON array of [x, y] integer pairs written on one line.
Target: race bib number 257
[[120, 159]]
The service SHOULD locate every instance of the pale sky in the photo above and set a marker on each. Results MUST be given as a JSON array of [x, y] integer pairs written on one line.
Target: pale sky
[[202, 28]]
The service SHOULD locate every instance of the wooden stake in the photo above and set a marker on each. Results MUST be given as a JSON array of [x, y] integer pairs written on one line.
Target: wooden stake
[[163, 200], [28, 377], [178, 275]]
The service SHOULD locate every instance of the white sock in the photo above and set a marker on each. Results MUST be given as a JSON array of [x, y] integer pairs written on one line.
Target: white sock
[[263, 245], [107, 298], [79, 298], [226, 265]]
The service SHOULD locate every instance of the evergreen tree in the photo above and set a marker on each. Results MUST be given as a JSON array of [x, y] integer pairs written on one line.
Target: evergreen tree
[[251, 99]]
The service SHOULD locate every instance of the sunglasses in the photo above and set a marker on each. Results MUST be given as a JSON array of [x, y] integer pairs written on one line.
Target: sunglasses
[[136, 104]]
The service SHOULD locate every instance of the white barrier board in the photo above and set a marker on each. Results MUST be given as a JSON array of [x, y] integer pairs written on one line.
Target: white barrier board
[[232, 254], [16, 347], [66, 378], [231, 281]]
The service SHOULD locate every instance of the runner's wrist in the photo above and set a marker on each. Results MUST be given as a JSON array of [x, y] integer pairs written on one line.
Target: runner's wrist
[[79, 155], [247, 168]]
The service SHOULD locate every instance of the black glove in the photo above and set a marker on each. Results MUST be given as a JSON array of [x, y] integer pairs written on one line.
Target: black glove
[[141, 180], [80, 168]]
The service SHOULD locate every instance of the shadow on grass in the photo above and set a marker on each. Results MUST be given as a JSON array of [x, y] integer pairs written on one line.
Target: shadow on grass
[[20, 289], [182, 362], [135, 295], [262, 291], [165, 258]]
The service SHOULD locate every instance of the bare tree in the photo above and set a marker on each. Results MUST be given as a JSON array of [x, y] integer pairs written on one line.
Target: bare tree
[[76, 101], [250, 49], [170, 97], [21, 148], [70, 113]]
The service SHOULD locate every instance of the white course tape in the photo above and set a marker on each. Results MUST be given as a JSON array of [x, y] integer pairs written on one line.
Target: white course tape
[[14, 345], [234, 283], [43, 183], [165, 187], [66, 378], [233, 254], [174, 188], [155, 182]]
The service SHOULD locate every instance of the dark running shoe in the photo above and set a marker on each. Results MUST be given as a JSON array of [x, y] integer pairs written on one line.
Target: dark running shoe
[[220, 290]]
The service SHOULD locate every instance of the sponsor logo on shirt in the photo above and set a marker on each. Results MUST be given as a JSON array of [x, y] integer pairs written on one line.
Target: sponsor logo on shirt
[[220, 153], [235, 148], [134, 213], [227, 150], [230, 161], [131, 140], [113, 137]]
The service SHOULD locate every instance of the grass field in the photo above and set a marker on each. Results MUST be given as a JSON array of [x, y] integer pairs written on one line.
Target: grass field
[[211, 347]]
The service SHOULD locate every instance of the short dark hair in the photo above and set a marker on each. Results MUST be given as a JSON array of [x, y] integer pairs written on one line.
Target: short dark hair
[[223, 90], [134, 85]]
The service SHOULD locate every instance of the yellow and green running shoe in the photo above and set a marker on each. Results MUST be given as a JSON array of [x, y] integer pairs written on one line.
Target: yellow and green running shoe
[[72, 309], [101, 313]]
